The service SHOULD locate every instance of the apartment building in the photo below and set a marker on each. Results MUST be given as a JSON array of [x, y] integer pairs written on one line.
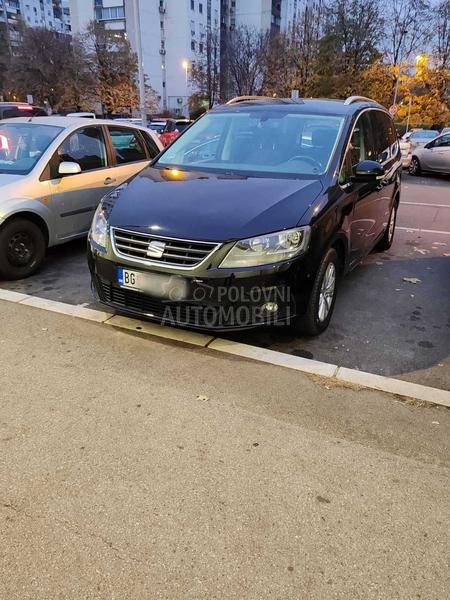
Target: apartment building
[[52, 14], [172, 36]]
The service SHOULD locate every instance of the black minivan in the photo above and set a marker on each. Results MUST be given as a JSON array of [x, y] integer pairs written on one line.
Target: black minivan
[[251, 216]]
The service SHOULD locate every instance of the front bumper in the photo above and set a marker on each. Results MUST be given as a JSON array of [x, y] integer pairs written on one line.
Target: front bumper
[[213, 301]]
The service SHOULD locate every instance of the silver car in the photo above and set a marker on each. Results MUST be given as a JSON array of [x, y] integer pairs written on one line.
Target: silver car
[[414, 139], [53, 173], [434, 156]]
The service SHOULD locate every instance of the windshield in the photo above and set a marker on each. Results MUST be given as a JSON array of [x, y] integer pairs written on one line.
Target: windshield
[[22, 145], [260, 142], [428, 134]]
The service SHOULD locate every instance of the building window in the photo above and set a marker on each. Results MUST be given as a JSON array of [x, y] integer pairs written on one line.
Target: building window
[[192, 5], [193, 45], [200, 48], [200, 8], [192, 27], [161, 24]]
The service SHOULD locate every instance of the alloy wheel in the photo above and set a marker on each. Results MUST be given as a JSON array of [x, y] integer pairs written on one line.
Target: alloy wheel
[[327, 290]]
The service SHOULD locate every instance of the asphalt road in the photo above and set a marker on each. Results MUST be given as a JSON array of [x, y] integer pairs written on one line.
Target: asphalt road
[[382, 324], [122, 476]]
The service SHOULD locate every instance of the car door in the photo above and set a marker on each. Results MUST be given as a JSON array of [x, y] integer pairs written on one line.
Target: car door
[[386, 148], [129, 152], [363, 196], [75, 197], [436, 157]]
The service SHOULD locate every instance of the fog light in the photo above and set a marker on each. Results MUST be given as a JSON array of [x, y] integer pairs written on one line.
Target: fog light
[[270, 307]]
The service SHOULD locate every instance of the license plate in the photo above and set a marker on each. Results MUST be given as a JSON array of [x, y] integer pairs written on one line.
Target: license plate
[[169, 287]]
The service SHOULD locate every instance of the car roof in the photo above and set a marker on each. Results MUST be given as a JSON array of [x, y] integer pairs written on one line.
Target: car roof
[[323, 106], [68, 122]]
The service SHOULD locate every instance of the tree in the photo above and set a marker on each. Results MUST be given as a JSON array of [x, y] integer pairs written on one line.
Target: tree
[[304, 47], [5, 58], [441, 28], [245, 60], [79, 93], [407, 31], [114, 66], [40, 65], [349, 45], [205, 70]]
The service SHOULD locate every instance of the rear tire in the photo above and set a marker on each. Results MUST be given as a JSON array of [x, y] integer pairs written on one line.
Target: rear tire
[[414, 166], [22, 249], [388, 237], [323, 297]]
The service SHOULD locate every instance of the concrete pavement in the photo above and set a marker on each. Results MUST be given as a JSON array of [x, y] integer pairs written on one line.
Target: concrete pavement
[[133, 468]]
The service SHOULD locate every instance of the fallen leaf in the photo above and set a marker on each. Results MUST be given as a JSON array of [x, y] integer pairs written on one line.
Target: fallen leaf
[[412, 280], [439, 243], [435, 423], [446, 254], [421, 250], [202, 398]]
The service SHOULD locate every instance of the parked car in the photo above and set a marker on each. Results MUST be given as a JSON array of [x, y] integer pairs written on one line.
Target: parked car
[[255, 225], [158, 126], [173, 129], [434, 156], [445, 130], [10, 110], [53, 173], [414, 139]]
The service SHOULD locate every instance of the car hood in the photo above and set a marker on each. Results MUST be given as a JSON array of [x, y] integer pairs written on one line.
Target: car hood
[[214, 207], [6, 179]]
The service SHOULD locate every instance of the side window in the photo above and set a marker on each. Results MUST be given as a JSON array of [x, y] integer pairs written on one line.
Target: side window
[[85, 147], [127, 145], [152, 148], [360, 147], [442, 142], [384, 136]]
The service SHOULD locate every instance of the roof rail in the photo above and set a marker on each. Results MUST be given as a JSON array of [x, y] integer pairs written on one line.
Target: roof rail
[[352, 99], [248, 98]]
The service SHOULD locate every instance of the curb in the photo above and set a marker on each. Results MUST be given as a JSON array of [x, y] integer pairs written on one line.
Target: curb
[[352, 376]]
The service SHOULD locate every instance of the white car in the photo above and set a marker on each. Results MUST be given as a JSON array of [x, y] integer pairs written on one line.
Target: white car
[[433, 157], [414, 139], [53, 173]]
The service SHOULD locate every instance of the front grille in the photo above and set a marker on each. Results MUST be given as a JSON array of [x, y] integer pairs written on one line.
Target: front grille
[[177, 253]]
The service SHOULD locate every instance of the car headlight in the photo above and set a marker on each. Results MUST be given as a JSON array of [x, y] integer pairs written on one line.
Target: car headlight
[[267, 249], [98, 234]]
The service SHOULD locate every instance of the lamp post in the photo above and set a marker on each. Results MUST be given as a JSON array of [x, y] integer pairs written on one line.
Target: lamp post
[[421, 62], [137, 28]]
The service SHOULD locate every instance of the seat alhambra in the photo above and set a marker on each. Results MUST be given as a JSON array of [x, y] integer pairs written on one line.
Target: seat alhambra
[[251, 216]]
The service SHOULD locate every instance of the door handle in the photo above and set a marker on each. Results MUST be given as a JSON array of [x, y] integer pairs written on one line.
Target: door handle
[[109, 180]]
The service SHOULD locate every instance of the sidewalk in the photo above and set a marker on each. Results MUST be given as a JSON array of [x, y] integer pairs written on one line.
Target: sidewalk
[[139, 469]]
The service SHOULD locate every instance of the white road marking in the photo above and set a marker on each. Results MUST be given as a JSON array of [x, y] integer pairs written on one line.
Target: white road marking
[[412, 230], [426, 204]]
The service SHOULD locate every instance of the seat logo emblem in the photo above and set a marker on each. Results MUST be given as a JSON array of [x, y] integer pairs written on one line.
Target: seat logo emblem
[[155, 249]]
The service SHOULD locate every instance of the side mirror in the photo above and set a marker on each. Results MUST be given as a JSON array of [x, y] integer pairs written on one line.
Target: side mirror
[[367, 171], [69, 168]]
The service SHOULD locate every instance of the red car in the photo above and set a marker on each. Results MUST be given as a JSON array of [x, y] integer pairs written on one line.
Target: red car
[[173, 129]]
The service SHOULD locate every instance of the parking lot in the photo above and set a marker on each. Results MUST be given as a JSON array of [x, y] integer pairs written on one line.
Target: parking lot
[[392, 315]]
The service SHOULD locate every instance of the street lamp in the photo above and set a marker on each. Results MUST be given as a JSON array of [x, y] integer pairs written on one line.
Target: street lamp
[[185, 65]]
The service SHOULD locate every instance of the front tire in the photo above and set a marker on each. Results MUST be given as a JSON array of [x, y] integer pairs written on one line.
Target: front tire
[[414, 166], [22, 249], [323, 296]]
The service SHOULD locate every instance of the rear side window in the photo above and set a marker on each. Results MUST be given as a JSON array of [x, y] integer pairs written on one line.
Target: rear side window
[[443, 142], [384, 136], [152, 148], [86, 147], [127, 145]]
